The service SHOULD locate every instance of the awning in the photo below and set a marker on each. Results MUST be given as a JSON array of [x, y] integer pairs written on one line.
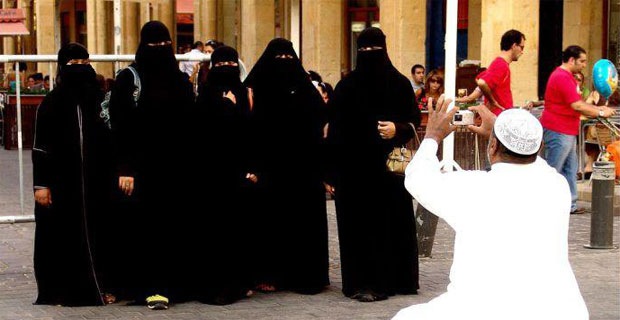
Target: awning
[[185, 11], [12, 22]]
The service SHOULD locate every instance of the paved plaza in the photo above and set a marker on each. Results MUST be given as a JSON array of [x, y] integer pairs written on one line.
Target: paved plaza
[[597, 271]]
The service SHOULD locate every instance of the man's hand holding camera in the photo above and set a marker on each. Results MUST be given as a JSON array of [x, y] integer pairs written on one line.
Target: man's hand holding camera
[[439, 124], [441, 121]]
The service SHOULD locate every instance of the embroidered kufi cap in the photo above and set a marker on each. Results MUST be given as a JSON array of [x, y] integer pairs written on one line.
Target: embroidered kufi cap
[[519, 131]]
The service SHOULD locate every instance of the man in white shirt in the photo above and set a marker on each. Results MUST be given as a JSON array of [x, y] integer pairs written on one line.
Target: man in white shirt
[[196, 52], [511, 224]]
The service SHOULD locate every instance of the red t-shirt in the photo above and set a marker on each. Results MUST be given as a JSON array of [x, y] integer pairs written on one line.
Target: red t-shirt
[[559, 116], [497, 77]]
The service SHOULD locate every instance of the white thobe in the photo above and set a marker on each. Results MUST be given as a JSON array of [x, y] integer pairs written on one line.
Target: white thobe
[[511, 243]]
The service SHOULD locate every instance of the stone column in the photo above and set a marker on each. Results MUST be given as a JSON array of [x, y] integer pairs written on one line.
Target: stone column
[[165, 13], [583, 25], [145, 15], [28, 42], [474, 34], [322, 26], [228, 21], [130, 27], [205, 20], [46, 17], [497, 18], [404, 24], [257, 29], [8, 43], [99, 33]]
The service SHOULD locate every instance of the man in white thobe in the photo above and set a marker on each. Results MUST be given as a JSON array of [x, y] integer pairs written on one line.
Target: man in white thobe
[[511, 224]]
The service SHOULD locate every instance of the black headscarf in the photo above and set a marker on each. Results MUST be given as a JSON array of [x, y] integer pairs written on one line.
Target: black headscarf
[[374, 61], [270, 71], [80, 78], [224, 76], [155, 59]]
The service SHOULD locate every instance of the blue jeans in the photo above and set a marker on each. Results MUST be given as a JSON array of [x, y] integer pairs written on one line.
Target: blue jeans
[[561, 153]]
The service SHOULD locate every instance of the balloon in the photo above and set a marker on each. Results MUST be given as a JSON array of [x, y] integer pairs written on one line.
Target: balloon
[[605, 77]]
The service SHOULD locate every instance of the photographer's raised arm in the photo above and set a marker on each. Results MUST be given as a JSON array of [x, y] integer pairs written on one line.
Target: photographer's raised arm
[[423, 177]]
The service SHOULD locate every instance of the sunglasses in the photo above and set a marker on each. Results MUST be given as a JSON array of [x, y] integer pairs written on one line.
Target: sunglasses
[[435, 81]]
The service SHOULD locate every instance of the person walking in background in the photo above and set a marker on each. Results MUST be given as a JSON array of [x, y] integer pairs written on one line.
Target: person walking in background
[[561, 118], [69, 182], [371, 111], [152, 180], [498, 272], [223, 126], [189, 67], [289, 115], [417, 77], [495, 81]]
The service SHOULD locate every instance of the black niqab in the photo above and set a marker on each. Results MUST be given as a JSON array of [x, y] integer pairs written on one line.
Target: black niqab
[[224, 76], [158, 58], [279, 73], [79, 79], [375, 61]]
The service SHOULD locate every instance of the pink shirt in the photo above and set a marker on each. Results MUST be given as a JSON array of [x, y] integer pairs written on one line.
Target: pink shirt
[[497, 77], [562, 90]]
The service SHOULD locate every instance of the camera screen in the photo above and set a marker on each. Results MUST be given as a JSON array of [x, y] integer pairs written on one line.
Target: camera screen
[[458, 117]]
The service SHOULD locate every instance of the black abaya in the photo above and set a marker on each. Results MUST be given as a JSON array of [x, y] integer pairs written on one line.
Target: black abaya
[[223, 212], [291, 230], [149, 137], [70, 140]]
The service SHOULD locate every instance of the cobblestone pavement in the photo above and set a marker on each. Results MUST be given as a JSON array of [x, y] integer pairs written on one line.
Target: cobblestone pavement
[[597, 271]]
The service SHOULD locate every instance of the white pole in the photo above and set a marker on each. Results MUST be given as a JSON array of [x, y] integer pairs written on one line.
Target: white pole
[[450, 81], [19, 136], [294, 27], [117, 31], [51, 75]]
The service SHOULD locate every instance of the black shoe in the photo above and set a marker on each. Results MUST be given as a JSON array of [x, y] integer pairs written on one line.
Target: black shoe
[[368, 296]]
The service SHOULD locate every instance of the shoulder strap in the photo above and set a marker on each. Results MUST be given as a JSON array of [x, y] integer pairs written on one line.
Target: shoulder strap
[[136, 82], [415, 133]]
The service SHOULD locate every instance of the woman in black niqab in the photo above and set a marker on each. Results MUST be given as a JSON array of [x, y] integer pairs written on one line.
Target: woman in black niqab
[[291, 231], [150, 174], [69, 182], [370, 112], [223, 111]]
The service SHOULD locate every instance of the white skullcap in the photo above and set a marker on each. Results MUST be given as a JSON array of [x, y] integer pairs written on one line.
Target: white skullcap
[[519, 131]]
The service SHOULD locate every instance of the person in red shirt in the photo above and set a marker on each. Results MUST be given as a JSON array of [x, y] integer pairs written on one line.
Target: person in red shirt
[[495, 82], [560, 118]]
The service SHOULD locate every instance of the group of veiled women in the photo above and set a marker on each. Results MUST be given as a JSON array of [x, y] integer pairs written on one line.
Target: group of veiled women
[[208, 198]]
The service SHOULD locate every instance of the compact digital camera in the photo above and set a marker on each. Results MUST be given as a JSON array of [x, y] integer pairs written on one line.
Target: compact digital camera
[[463, 118]]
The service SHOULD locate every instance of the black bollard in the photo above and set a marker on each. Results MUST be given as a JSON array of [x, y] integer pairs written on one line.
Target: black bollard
[[602, 220]]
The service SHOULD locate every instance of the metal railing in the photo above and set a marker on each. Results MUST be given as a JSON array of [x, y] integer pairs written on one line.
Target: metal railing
[[51, 59]]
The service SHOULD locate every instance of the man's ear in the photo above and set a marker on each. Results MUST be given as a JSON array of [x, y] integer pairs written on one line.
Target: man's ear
[[493, 146]]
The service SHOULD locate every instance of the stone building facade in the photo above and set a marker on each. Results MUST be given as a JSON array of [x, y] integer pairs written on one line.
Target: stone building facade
[[324, 31]]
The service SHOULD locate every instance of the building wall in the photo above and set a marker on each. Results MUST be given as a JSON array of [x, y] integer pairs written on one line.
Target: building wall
[[205, 20], [500, 16], [322, 27], [474, 32], [404, 24], [248, 25], [46, 16], [257, 28], [583, 25]]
